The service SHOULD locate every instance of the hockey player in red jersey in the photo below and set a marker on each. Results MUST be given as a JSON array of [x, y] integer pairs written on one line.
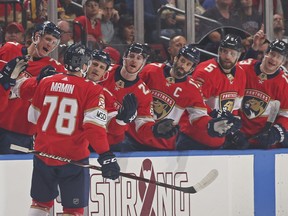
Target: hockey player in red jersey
[[173, 94], [70, 114], [14, 127], [267, 85], [222, 84], [97, 72], [123, 80]]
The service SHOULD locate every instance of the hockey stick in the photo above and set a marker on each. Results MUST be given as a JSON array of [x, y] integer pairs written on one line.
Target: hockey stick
[[207, 180], [275, 107]]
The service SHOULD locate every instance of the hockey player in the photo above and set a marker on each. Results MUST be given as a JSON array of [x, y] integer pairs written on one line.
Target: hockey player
[[174, 92], [14, 128], [69, 112], [222, 84], [123, 80], [98, 73], [266, 86]]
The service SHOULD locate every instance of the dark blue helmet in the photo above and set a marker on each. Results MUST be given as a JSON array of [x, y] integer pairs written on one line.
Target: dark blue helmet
[[102, 56], [231, 42], [278, 46], [47, 27], [139, 48], [76, 56], [190, 52]]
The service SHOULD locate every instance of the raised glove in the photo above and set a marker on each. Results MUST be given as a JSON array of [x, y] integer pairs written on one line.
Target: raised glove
[[12, 70], [109, 166], [128, 112], [46, 71], [219, 127], [236, 140], [268, 138], [165, 129]]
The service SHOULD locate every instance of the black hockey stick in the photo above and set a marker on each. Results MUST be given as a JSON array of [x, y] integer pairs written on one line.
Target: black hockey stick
[[275, 107], [207, 180]]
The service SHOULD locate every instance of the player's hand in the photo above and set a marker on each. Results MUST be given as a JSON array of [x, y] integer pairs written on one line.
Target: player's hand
[[109, 166], [236, 140], [237, 124], [46, 71], [270, 137], [11, 71], [219, 127], [259, 39], [128, 112], [165, 129]]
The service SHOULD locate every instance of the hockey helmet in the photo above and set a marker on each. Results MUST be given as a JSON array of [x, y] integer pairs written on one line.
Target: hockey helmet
[[231, 41], [278, 46], [191, 53], [139, 48], [76, 56], [47, 27], [101, 56]]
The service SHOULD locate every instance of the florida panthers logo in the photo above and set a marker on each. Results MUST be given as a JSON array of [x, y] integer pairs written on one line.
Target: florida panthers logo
[[227, 101], [162, 104], [254, 103]]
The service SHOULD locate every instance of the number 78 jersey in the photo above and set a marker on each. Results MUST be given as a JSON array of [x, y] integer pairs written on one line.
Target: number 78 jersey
[[70, 113]]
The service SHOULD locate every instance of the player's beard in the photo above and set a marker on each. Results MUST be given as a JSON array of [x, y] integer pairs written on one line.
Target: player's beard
[[227, 65], [179, 72]]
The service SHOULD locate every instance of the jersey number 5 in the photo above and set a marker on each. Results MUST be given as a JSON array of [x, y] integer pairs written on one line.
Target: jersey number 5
[[66, 114]]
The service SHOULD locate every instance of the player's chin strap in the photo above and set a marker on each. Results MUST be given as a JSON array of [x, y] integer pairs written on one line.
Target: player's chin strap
[[104, 78], [84, 71]]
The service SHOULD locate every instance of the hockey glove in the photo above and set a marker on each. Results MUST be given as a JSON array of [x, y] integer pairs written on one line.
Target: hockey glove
[[12, 70], [219, 127], [233, 119], [236, 140], [46, 71], [165, 129], [109, 166], [128, 112], [268, 138]]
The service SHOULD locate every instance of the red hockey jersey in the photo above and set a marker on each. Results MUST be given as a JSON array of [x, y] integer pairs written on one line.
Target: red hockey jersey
[[261, 91], [221, 91], [70, 113], [171, 97], [119, 87], [17, 108]]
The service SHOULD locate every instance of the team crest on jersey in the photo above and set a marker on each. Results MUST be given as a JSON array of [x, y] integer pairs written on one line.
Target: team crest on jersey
[[227, 101], [162, 104], [119, 84], [254, 103], [101, 101]]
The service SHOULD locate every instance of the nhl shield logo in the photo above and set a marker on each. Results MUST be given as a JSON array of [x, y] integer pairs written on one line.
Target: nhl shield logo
[[162, 104], [254, 103]]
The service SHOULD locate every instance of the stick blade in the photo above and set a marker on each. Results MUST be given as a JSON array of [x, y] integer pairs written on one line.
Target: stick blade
[[207, 180], [19, 148]]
